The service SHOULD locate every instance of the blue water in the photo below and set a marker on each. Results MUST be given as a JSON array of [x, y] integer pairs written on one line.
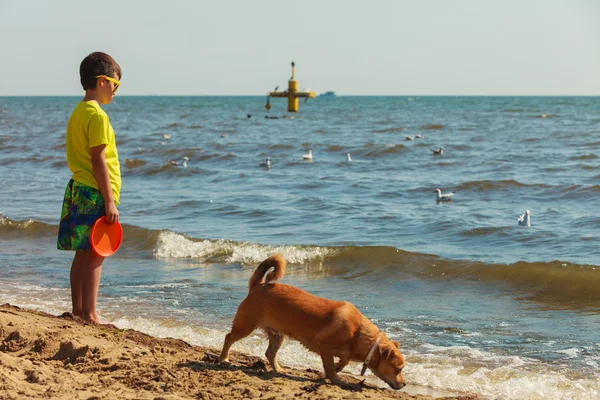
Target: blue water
[[478, 303]]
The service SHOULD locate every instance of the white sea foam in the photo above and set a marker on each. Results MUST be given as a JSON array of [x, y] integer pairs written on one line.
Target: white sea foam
[[462, 368], [174, 245], [571, 353], [33, 297]]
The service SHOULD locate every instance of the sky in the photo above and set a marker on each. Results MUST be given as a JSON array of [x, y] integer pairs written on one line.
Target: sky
[[353, 47]]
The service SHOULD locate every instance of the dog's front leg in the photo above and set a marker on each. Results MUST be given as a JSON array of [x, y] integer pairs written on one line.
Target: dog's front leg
[[329, 367]]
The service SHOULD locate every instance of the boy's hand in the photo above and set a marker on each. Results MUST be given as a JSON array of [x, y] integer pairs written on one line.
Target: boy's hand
[[112, 214]]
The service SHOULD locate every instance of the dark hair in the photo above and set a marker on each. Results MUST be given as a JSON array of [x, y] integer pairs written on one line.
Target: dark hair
[[95, 64]]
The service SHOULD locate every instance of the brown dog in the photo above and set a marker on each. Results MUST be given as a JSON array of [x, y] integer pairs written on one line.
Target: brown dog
[[329, 328]]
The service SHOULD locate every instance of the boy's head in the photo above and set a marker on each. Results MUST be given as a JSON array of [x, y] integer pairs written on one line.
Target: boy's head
[[97, 66]]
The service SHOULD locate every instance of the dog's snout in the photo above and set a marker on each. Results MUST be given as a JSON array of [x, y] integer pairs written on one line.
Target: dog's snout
[[398, 385]]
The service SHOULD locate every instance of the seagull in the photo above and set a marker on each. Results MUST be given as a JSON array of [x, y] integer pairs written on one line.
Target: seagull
[[307, 156], [525, 219], [411, 137], [177, 163], [166, 136], [348, 158], [445, 196], [266, 163], [438, 152], [418, 136]]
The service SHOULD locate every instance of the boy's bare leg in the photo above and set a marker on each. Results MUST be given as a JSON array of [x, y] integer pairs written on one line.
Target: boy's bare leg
[[91, 272], [76, 280], [85, 281]]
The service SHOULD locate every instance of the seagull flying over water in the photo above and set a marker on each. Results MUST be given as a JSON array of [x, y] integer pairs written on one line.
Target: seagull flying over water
[[266, 163], [445, 196], [307, 156], [525, 219], [438, 152]]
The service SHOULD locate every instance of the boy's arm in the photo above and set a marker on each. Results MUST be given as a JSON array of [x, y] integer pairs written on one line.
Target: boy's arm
[[103, 179]]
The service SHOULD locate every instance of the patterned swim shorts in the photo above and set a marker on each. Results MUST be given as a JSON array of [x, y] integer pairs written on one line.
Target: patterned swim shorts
[[82, 206]]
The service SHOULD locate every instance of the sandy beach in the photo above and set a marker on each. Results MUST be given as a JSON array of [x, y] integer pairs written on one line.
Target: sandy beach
[[45, 356]]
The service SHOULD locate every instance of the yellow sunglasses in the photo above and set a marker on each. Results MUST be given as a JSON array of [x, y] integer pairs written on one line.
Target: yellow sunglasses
[[113, 80]]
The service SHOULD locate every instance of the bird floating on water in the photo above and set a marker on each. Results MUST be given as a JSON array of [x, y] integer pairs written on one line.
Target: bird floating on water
[[437, 152], [419, 136], [525, 219], [348, 158], [266, 163], [183, 163], [307, 156], [445, 196], [411, 137], [166, 136]]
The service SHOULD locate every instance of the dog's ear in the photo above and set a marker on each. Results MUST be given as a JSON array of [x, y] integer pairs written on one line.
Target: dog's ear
[[395, 344], [386, 352]]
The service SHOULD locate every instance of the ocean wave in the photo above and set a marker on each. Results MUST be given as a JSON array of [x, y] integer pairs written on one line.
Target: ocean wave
[[335, 148], [31, 159], [29, 228], [389, 149], [433, 126], [465, 369], [584, 157], [171, 245], [563, 284], [478, 186], [280, 146], [173, 125], [133, 163], [390, 130]]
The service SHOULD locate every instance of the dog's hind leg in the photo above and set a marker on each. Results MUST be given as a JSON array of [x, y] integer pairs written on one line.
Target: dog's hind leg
[[275, 342], [242, 327]]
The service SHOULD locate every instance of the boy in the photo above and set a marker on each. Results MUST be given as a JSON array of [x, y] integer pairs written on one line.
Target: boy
[[94, 188]]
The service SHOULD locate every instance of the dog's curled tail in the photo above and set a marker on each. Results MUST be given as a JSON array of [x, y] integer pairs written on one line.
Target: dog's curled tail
[[277, 262]]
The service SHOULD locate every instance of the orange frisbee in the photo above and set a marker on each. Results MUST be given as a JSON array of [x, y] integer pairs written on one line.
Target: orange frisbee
[[106, 238]]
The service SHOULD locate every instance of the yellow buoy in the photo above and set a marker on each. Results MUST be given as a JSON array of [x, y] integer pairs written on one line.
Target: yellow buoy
[[292, 93]]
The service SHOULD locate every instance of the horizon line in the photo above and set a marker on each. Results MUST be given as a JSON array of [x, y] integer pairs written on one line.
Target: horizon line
[[342, 95]]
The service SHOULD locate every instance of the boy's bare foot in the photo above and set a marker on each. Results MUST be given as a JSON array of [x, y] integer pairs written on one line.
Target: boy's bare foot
[[94, 319]]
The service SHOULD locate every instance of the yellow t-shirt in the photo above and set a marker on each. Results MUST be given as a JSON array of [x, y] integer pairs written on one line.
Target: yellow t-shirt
[[89, 127]]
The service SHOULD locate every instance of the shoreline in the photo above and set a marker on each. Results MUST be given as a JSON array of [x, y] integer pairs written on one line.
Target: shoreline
[[46, 356]]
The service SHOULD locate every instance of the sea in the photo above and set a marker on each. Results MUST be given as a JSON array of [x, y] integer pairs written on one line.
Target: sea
[[479, 304]]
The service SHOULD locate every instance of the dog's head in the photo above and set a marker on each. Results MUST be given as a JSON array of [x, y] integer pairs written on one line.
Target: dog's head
[[388, 362]]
